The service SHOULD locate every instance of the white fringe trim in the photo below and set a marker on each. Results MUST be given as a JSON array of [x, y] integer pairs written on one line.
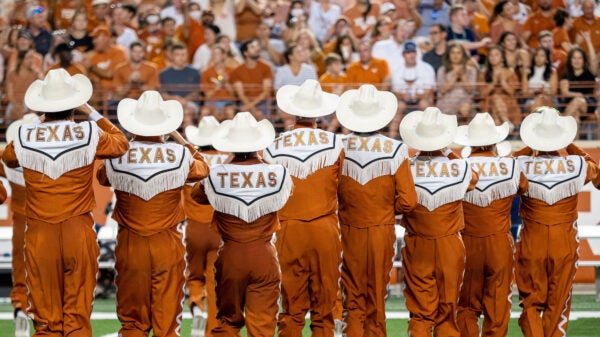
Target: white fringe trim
[[498, 191], [149, 189], [70, 161], [446, 195], [382, 167], [302, 169], [559, 192], [256, 209]]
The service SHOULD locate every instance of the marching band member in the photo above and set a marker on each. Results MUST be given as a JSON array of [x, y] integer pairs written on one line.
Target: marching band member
[[489, 245], [376, 184], [308, 242], [433, 256], [57, 157], [548, 250], [148, 181], [246, 195], [202, 242]]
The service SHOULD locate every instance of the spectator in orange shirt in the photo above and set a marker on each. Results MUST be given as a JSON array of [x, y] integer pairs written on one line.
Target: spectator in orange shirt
[[564, 23], [24, 44], [100, 14], [502, 21], [215, 84], [164, 59], [64, 11], [334, 81], [17, 82], [137, 75], [538, 21], [362, 16], [559, 56], [152, 35], [64, 59], [191, 33], [588, 22], [368, 69]]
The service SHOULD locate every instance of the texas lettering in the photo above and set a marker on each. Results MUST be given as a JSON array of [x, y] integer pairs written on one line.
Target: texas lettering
[[52, 133], [302, 138], [247, 179], [370, 144]]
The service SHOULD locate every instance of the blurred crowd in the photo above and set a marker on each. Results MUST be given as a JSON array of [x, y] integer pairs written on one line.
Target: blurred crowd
[[218, 57]]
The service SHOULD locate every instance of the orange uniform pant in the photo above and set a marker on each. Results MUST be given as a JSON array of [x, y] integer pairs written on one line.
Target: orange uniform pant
[[310, 255], [366, 268], [433, 272], [61, 260], [486, 286], [18, 294], [150, 280], [546, 265], [201, 244], [247, 286]]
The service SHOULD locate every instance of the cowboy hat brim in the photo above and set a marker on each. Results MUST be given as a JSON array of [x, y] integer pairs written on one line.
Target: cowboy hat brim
[[557, 141], [409, 135], [285, 102], [127, 118], [354, 120], [194, 136], [262, 137], [463, 138], [35, 101]]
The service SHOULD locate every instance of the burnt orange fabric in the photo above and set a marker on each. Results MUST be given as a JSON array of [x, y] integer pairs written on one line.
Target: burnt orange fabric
[[559, 36], [207, 82], [154, 42], [18, 294], [61, 264], [194, 38], [63, 13], [247, 273], [252, 78], [546, 257], [581, 25], [165, 209], [246, 22], [376, 72], [114, 57], [536, 22], [148, 75], [309, 252], [18, 84], [353, 14], [160, 62], [73, 69], [150, 282], [12, 60], [331, 84], [559, 61], [71, 194], [489, 265]]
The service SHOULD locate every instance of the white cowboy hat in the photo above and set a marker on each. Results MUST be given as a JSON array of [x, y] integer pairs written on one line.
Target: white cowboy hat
[[481, 131], [366, 109], [59, 91], [243, 134], [11, 130], [545, 130], [307, 100], [202, 134], [149, 115], [428, 130]]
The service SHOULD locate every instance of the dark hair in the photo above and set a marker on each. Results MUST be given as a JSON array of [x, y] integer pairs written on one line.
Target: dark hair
[[498, 8], [331, 58], [338, 44], [446, 59], [215, 29], [20, 58], [130, 8], [488, 71], [547, 66], [570, 72], [504, 36], [167, 19], [560, 16], [61, 115], [63, 51], [137, 43], [289, 51], [244, 46], [441, 27], [177, 46]]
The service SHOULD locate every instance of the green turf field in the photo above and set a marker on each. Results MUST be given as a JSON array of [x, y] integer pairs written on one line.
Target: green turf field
[[583, 327]]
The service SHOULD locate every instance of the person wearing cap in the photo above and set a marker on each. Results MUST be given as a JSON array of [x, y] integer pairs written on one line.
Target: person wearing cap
[[64, 59], [18, 199], [308, 244], [201, 241], [548, 250], [433, 255], [37, 24], [391, 49], [24, 44], [375, 185], [99, 15], [488, 241], [246, 195], [103, 61], [413, 83], [57, 157], [148, 181]]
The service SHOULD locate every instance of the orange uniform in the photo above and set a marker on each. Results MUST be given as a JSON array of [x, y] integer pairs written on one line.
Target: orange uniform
[[201, 244], [548, 249], [376, 184], [489, 245], [433, 256], [375, 73], [536, 22], [581, 25], [150, 213], [333, 84], [107, 60], [18, 294], [148, 73], [193, 36], [246, 270], [308, 243], [60, 243]]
